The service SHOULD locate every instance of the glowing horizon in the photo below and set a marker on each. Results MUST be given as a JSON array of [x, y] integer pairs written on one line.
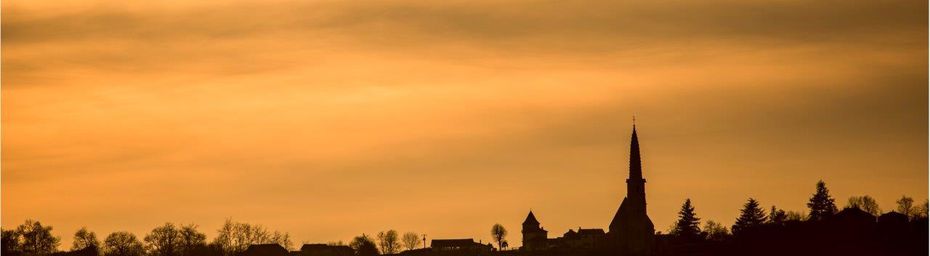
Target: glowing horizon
[[329, 119]]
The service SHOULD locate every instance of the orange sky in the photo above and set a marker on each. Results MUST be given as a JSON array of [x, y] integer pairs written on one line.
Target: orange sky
[[329, 119]]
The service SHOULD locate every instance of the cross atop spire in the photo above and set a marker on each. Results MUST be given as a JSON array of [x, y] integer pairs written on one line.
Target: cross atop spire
[[631, 228]]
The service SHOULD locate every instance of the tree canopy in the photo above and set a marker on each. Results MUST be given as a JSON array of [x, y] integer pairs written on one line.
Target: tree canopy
[[388, 241], [364, 246], [411, 240], [715, 231], [35, 239], [83, 239], [234, 237], [864, 203], [122, 244], [164, 240]]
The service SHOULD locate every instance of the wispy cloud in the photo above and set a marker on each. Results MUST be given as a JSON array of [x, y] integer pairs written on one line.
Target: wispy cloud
[[192, 112]]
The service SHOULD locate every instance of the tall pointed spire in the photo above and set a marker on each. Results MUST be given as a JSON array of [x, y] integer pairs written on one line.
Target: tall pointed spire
[[631, 230], [636, 165]]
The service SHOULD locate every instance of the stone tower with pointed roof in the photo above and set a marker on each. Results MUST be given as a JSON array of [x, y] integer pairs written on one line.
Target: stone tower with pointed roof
[[631, 232], [534, 236]]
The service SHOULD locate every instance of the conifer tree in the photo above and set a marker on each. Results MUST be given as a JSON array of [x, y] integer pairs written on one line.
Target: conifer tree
[[750, 216], [687, 227], [821, 204]]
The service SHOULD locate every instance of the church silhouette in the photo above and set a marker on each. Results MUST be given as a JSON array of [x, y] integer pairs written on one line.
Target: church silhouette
[[631, 232]]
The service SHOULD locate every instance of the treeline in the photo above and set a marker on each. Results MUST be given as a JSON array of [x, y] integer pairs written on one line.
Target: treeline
[[388, 242], [861, 228], [34, 238], [821, 206]]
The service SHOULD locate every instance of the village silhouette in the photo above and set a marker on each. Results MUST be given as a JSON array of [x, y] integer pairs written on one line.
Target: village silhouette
[[859, 228]]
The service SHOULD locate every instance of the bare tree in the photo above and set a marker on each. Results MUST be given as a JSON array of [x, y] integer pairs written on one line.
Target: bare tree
[[906, 206], [164, 240], [284, 239], [364, 246], [715, 231], [925, 209], [191, 240], [234, 237], [498, 233], [411, 240], [84, 239], [777, 216], [36, 239], [864, 203], [388, 241], [795, 216], [122, 244]]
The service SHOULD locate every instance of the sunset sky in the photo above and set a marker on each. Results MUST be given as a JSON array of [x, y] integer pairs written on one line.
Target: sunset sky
[[328, 119]]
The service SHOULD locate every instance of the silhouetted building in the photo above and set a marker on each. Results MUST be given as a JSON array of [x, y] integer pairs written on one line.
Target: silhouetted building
[[631, 231], [325, 250], [265, 250], [417, 252], [459, 247], [892, 218], [584, 239], [891, 222], [534, 236], [854, 217]]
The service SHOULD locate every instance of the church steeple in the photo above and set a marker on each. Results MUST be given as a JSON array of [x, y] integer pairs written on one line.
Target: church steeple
[[631, 230], [636, 165], [635, 184]]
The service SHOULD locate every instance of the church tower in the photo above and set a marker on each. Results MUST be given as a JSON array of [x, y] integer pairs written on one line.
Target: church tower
[[534, 236], [631, 232]]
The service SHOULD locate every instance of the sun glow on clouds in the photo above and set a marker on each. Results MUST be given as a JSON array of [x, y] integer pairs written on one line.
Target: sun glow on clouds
[[329, 119]]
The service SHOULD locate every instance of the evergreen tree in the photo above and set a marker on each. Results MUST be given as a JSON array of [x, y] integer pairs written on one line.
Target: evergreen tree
[[821, 204], [750, 216], [687, 227]]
